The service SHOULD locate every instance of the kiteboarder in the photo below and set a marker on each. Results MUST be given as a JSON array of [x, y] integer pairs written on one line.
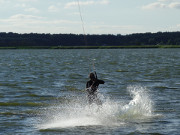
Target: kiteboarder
[[92, 87]]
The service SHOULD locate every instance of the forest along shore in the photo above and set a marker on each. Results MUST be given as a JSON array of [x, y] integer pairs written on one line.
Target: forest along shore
[[92, 47], [76, 41]]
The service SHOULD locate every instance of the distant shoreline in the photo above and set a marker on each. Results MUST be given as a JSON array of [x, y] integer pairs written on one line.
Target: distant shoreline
[[12, 40], [93, 47]]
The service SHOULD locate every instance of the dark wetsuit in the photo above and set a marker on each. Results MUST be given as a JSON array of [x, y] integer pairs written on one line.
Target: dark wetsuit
[[92, 87]]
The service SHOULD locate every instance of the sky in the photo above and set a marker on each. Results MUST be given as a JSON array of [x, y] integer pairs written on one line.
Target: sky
[[99, 16]]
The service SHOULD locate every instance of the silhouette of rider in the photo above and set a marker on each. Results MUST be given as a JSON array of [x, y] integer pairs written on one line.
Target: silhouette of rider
[[92, 87]]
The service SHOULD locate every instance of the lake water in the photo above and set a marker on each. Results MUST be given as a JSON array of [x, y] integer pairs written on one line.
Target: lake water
[[43, 92]]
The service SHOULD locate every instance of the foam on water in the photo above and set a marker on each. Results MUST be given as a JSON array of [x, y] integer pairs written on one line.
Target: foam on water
[[111, 113]]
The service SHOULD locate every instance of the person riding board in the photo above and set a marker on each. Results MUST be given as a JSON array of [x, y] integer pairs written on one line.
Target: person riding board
[[92, 87]]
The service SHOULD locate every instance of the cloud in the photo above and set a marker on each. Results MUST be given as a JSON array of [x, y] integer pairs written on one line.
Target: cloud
[[17, 1], [86, 3], [174, 27], [24, 17], [26, 8], [178, 25], [31, 19], [168, 4], [20, 5], [74, 13], [103, 2], [116, 26], [27, 0], [53, 8], [4, 1], [116, 29], [29, 23], [155, 5], [32, 10], [175, 5], [19, 20], [72, 4]]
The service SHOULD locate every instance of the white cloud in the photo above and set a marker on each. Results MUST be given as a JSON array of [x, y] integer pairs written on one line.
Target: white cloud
[[72, 4], [171, 4], [74, 13], [103, 2], [116, 26], [4, 1], [115, 29], [21, 20], [165, 0], [28, 0], [24, 17], [155, 5], [175, 5], [53, 8], [28, 23], [30, 19], [20, 5], [17, 1], [26, 8], [178, 25], [85, 3], [32, 10], [174, 28]]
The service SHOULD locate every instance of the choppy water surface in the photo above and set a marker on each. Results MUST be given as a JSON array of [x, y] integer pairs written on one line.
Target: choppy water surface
[[43, 91]]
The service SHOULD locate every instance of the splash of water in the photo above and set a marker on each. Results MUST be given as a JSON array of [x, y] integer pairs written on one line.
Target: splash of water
[[111, 113], [141, 104]]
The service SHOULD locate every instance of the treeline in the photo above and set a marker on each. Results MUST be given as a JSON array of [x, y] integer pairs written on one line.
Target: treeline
[[139, 39]]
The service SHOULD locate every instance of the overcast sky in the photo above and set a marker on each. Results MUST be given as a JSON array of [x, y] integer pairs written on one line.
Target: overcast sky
[[100, 16]]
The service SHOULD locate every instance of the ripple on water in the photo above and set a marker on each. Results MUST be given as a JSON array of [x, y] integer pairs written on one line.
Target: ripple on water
[[28, 104]]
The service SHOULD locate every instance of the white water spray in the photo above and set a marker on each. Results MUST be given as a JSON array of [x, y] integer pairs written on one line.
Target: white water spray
[[111, 113]]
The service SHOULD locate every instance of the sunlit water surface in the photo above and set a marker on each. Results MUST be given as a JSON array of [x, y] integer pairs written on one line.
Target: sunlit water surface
[[43, 91]]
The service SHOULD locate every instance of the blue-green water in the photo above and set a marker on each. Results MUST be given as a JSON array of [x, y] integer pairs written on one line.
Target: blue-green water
[[43, 91]]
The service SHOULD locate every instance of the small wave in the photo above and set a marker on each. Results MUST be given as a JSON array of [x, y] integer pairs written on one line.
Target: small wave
[[29, 104], [9, 84], [111, 113], [119, 70], [113, 63], [1, 95], [28, 95], [22, 114]]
